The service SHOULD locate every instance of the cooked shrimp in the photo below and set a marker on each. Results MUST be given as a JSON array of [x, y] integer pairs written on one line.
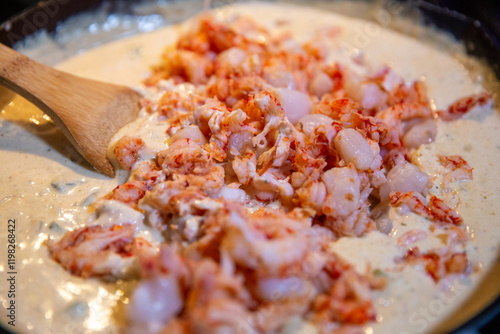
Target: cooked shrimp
[[336, 108], [421, 133], [443, 213], [172, 103], [347, 301], [404, 178], [354, 149], [459, 169], [184, 156], [234, 91], [414, 201], [343, 188], [313, 195], [438, 266], [127, 150], [148, 174], [97, 250], [411, 237], [462, 106], [401, 92], [270, 184], [374, 129], [395, 116], [129, 193], [162, 291], [436, 210], [211, 35]]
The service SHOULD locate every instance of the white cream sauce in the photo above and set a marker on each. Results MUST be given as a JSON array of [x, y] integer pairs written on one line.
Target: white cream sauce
[[48, 193]]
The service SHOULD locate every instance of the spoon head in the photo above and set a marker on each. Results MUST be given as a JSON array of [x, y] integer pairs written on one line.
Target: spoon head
[[92, 133]]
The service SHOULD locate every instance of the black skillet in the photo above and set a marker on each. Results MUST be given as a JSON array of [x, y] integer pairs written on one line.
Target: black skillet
[[480, 40]]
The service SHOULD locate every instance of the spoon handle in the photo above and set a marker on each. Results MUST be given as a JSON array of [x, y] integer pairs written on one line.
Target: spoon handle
[[33, 81], [45, 87], [28, 78]]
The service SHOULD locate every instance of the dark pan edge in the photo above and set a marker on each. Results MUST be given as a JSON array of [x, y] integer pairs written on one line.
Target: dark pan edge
[[45, 15], [477, 38]]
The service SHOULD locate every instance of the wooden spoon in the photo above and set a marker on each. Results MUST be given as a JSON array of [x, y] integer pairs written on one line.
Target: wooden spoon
[[88, 112]]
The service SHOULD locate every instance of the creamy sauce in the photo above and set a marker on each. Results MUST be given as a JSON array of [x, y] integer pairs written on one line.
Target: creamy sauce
[[47, 189]]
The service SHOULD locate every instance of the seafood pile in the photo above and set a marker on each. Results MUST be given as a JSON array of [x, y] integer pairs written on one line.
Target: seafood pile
[[271, 151]]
